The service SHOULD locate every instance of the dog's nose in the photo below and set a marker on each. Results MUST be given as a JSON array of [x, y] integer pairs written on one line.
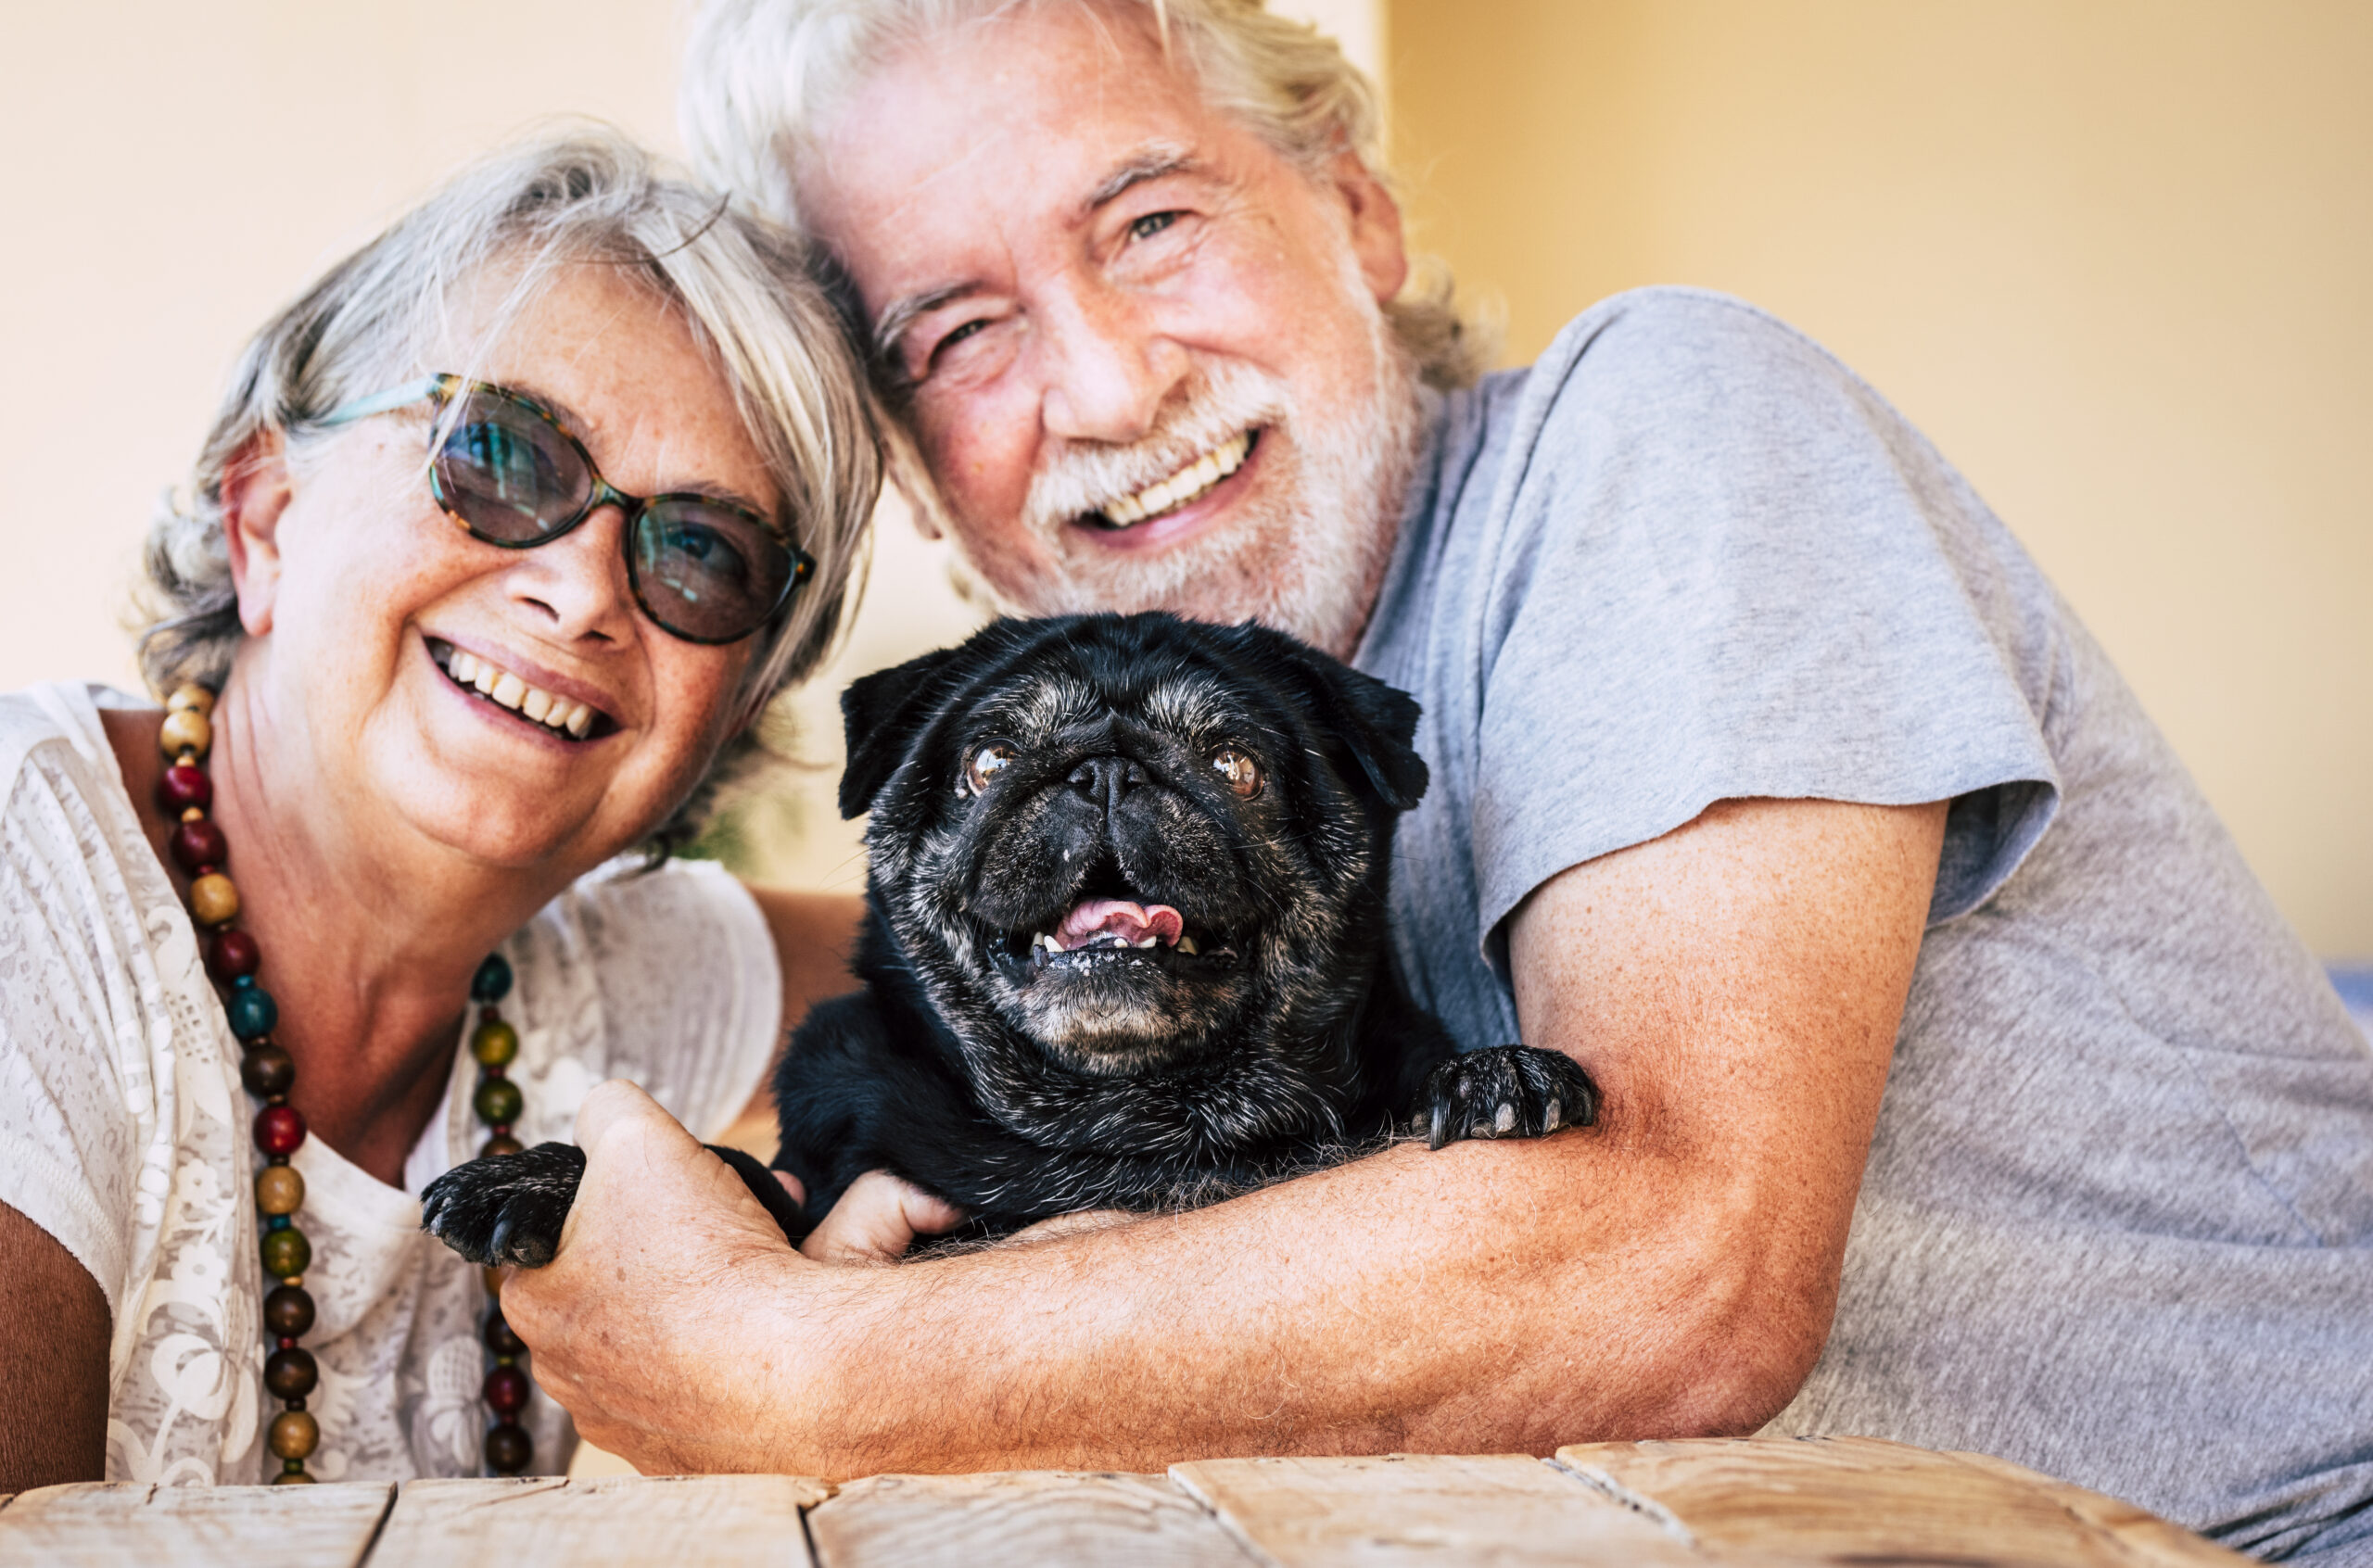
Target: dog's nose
[[1106, 781]]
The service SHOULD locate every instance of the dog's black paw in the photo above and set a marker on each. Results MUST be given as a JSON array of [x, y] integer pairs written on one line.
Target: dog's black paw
[[1506, 1092], [508, 1209]]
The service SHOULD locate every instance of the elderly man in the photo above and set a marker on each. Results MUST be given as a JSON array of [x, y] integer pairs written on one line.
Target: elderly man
[[1961, 1085]]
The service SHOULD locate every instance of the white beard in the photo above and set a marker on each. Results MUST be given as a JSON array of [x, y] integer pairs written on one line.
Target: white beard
[[1306, 556]]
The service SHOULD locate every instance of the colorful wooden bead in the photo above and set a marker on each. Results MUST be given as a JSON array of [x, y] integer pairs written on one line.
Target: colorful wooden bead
[[493, 981], [267, 1071], [190, 698], [505, 1390], [279, 1190], [198, 846], [230, 954], [288, 1312], [494, 1044], [290, 1372], [279, 1129], [213, 900], [185, 729], [500, 1338], [294, 1434], [252, 1011], [508, 1448], [184, 788], [497, 1101], [286, 1253]]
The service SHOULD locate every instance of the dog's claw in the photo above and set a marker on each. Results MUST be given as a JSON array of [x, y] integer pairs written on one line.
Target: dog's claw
[[1508, 1091]]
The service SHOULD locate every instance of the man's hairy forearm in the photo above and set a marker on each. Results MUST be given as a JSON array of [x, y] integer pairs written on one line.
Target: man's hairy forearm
[[1486, 1297], [1736, 988]]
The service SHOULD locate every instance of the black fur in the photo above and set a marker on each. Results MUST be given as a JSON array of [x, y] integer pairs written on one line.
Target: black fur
[[1140, 1079]]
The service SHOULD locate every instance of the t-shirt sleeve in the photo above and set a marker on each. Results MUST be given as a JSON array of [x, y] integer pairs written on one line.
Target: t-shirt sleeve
[[1728, 569], [691, 988]]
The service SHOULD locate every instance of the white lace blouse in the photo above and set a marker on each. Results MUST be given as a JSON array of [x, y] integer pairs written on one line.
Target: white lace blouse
[[125, 1131]]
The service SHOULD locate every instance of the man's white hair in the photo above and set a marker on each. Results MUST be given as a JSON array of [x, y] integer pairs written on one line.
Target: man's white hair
[[761, 77]]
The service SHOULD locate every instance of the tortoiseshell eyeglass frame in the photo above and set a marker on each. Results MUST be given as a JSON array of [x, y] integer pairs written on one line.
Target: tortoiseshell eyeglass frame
[[447, 388]]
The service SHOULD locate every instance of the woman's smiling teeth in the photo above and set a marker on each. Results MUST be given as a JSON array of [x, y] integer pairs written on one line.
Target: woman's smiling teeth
[[497, 684], [1168, 495]]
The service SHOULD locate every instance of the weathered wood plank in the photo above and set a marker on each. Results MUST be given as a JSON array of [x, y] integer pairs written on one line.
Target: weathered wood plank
[[1050, 1518], [2152, 1539], [110, 1523], [695, 1521], [1860, 1496], [1413, 1508]]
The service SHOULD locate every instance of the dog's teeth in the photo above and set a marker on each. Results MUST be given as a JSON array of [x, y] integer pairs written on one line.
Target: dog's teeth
[[1187, 946], [1146, 942]]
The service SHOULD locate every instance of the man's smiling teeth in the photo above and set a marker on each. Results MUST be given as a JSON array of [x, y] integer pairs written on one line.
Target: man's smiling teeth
[[1167, 495], [494, 681]]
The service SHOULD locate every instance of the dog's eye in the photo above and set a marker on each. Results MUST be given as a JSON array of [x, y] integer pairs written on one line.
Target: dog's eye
[[1243, 775], [985, 761]]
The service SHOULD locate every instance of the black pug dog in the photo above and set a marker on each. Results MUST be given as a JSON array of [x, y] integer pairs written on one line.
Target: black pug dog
[[1125, 945]]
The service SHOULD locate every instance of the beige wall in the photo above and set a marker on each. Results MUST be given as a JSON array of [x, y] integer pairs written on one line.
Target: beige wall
[[2117, 258]]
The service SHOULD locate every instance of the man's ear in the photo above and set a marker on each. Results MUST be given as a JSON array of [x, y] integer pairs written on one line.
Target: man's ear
[[1376, 235], [256, 493], [881, 714]]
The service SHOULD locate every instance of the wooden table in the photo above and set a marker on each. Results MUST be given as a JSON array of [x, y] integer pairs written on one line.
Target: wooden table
[[1754, 1501]]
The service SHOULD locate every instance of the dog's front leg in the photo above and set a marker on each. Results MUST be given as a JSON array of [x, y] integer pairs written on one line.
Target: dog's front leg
[[509, 1209]]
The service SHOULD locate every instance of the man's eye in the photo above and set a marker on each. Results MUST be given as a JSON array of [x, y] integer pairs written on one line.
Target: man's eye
[[969, 329], [1151, 225]]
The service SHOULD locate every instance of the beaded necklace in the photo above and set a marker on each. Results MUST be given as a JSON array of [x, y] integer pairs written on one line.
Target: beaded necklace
[[290, 1372]]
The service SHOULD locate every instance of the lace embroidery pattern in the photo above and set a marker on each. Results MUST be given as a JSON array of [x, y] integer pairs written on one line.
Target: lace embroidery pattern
[[124, 1126]]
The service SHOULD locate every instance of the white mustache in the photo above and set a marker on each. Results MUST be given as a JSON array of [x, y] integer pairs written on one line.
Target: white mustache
[[1218, 404]]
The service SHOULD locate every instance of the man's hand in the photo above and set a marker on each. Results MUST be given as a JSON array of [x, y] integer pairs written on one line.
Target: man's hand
[[662, 1237], [877, 1220], [1734, 988]]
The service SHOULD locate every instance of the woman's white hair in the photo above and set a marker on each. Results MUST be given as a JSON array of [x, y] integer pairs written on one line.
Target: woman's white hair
[[586, 198], [762, 76]]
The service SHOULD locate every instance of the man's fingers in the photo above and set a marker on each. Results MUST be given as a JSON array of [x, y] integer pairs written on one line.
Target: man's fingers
[[877, 1220], [615, 1105]]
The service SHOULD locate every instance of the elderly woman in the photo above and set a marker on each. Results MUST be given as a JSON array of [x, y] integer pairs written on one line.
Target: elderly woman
[[509, 529]]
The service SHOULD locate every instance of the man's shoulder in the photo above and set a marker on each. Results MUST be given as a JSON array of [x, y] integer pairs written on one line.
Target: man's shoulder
[[1655, 352]]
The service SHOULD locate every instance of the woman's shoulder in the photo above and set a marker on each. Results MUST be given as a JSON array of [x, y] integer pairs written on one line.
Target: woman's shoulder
[[665, 975], [56, 724]]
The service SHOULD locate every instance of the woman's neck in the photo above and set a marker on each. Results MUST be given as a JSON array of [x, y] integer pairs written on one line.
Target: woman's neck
[[369, 933]]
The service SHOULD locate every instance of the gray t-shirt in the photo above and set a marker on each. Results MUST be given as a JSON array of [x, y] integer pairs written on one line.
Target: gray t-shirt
[[2117, 1223]]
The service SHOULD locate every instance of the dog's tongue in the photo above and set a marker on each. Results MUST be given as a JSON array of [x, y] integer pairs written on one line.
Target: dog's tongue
[[1131, 922]]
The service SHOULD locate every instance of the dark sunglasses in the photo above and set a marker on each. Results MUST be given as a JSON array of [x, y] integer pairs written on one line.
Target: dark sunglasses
[[511, 475]]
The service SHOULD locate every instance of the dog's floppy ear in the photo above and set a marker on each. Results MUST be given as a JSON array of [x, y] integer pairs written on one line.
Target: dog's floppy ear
[[1376, 722], [881, 714]]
